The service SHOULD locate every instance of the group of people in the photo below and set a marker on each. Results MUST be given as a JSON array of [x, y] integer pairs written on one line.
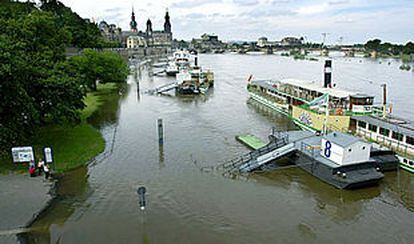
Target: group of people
[[41, 167]]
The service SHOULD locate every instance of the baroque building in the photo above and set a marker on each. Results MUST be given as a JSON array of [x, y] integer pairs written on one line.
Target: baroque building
[[110, 32], [148, 38]]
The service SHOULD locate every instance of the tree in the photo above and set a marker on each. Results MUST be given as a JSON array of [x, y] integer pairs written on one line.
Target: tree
[[373, 45], [408, 48], [34, 90], [99, 66]]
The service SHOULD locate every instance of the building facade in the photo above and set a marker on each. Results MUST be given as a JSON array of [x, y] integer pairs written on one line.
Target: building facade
[[110, 32], [148, 37], [207, 43]]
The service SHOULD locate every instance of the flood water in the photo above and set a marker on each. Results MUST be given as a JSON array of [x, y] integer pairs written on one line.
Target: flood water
[[99, 204]]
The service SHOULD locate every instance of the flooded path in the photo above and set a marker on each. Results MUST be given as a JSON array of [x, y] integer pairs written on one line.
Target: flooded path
[[99, 204]]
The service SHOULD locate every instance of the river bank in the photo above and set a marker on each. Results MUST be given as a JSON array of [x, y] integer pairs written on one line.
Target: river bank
[[73, 145], [25, 198]]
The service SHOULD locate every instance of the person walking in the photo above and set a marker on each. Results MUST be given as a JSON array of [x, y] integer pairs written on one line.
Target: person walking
[[46, 170]]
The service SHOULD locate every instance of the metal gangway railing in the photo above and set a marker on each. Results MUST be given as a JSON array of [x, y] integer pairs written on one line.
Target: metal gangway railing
[[163, 88], [251, 157]]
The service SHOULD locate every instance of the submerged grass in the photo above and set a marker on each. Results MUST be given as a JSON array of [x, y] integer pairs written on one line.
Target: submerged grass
[[73, 145]]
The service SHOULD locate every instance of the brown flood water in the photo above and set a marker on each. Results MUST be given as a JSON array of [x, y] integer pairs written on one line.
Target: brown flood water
[[99, 204]]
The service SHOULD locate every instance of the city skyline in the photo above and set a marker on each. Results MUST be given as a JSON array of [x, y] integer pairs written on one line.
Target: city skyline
[[352, 21]]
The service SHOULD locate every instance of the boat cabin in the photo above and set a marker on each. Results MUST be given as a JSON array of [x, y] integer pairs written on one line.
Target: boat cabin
[[344, 149], [299, 92], [390, 132]]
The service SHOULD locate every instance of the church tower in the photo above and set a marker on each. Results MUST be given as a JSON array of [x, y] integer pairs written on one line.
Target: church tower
[[133, 24], [167, 24], [149, 27]]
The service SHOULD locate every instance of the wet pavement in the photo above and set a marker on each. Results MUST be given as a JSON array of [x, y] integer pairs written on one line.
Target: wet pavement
[[22, 197]]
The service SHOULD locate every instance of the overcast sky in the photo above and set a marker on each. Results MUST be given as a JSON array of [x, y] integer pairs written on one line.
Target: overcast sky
[[354, 20]]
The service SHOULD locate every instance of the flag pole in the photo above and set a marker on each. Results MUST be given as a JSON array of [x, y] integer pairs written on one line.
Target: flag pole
[[326, 115]]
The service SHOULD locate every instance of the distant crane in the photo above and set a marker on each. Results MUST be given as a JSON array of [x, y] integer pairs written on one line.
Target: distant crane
[[340, 40], [324, 35]]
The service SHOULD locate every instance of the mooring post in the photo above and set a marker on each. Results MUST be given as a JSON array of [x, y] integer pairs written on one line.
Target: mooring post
[[160, 132], [141, 194]]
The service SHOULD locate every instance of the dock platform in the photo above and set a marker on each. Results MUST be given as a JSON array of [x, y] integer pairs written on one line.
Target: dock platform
[[251, 141]]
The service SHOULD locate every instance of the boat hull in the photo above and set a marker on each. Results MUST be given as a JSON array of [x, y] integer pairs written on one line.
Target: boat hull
[[357, 175], [172, 73]]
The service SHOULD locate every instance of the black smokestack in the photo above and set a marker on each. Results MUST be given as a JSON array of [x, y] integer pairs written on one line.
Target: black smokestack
[[328, 74], [196, 61]]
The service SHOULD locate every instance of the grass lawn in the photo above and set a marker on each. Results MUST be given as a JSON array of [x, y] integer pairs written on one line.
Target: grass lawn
[[73, 145]]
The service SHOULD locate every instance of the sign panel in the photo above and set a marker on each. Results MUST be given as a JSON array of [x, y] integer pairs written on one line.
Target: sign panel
[[48, 155], [22, 154]]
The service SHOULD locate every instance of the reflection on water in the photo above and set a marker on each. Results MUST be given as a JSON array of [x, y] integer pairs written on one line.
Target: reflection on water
[[184, 205], [71, 191]]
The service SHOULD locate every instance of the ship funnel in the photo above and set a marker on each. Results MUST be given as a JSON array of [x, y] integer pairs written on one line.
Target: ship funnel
[[328, 74], [196, 61]]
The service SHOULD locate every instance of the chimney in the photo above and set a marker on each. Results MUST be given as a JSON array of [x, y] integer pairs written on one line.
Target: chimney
[[328, 74]]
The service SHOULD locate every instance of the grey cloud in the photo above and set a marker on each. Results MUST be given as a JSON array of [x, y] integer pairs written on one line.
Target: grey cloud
[[338, 2], [195, 16], [274, 2], [246, 2], [195, 3], [257, 13], [114, 10]]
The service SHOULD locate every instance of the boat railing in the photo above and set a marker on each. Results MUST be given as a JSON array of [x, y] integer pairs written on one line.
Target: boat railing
[[310, 150], [250, 158]]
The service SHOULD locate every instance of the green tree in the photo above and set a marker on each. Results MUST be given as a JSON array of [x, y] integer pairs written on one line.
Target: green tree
[[85, 34], [373, 45], [34, 89], [408, 48], [94, 66]]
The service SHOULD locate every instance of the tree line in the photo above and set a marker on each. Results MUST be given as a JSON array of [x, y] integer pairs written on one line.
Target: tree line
[[389, 48], [39, 85]]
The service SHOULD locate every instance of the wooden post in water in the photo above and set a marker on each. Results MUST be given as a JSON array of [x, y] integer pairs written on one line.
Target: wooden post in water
[[160, 132]]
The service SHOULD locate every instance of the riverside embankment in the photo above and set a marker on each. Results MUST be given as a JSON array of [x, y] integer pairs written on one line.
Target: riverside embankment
[[24, 197]]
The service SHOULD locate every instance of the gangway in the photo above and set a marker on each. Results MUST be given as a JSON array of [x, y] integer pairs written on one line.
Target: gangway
[[277, 148], [278, 153], [163, 88]]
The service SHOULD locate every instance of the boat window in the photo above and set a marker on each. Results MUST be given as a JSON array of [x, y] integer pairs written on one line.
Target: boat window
[[405, 160], [397, 136], [349, 150], [372, 128], [363, 148], [362, 124], [384, 132], [411, 163], [409, 140]]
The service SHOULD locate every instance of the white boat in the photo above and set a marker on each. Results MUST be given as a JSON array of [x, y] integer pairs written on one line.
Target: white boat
[[179, 60]]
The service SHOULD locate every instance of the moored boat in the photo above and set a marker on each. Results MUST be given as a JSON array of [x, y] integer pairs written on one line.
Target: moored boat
[[323, 107]]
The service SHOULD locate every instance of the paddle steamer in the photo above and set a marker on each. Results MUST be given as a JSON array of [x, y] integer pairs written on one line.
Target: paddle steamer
[[323, 108]]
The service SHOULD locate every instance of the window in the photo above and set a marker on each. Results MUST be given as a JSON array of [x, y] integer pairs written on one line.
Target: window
[[372, 128], [362, 124], [363, 148], [397, 136], [409, 140], [349, 150], [384, 132]]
